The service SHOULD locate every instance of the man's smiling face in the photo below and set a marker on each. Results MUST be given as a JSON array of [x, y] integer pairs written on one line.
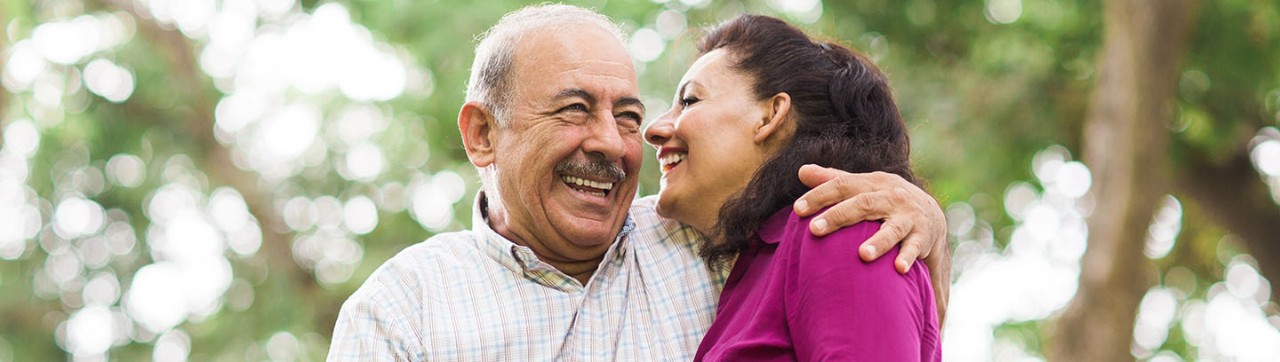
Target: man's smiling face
[[567, 161]]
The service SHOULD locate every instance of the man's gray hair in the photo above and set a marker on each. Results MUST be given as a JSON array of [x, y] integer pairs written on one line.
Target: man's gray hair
[[491, 81]]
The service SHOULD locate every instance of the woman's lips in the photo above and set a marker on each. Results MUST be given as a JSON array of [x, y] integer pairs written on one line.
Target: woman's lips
[[669, 158]]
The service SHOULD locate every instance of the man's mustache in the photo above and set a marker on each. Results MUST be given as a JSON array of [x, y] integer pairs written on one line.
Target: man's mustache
[[593, 167]]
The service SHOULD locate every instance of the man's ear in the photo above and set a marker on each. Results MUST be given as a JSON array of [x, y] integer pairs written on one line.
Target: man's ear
[[775, 118], [476, 124]]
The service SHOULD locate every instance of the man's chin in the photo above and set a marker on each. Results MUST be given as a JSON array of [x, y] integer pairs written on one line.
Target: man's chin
[[592, 241], [590, 233], [590, 225]]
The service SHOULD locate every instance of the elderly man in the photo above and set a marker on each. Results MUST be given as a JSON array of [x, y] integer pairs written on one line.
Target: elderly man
[[559, 263]]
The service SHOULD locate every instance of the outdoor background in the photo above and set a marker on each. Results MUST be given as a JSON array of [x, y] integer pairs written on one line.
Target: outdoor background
[[210, 179]]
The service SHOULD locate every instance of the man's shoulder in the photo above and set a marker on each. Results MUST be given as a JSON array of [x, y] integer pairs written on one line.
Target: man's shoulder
[[387, 310], [450, 247], [656, 234], [644, 211], [406, 270], [650, 225]]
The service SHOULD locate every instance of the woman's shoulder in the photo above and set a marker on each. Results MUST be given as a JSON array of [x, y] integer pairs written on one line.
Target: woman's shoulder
[[785, 226], [837, 254]]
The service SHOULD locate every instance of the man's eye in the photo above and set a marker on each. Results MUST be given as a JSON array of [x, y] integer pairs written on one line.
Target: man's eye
[[576, 107], [688, 101], [632, 117]]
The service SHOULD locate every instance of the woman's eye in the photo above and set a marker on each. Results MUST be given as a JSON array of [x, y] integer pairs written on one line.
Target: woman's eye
[[687, 101]]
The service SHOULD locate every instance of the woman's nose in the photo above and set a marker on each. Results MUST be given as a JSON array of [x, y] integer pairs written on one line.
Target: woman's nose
[[659, 131]]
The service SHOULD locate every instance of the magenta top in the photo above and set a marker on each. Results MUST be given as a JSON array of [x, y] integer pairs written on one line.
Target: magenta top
[[792, 296]]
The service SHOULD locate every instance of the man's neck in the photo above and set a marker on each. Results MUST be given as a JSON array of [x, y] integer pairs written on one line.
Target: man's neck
[[580, 269]]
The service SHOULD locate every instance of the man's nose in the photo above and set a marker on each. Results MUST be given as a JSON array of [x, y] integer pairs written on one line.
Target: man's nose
[[605, 139]]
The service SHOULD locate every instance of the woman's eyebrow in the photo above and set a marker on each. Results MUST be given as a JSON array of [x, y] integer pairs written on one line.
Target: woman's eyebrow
[[685, 87]]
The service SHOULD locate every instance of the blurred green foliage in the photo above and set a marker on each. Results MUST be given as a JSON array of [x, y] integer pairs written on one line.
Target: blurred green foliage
[[981, 98]]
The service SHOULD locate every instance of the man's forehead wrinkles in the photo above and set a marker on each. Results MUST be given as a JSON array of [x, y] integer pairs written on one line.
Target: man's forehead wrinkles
[[602, 63], [602, 73], [600, 82], [595, 66]]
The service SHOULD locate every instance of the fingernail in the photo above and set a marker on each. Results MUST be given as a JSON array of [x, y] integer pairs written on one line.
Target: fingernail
[[820, 225], [871, 250], [802, 206]]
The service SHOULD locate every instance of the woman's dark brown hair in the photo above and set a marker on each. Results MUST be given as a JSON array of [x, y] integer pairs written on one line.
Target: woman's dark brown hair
[[844, 113]]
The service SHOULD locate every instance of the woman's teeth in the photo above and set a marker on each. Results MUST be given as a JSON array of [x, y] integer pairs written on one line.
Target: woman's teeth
[[670, 160]]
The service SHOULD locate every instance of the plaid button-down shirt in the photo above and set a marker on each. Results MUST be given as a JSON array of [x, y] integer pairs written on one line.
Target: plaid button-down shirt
[[476, 296]]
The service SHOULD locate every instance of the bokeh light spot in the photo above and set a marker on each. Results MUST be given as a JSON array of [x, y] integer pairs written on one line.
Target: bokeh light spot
[[75, 217], [126, 170], [360, 215], [1003, 11], [647, 45], [89, 331], [108, 80]]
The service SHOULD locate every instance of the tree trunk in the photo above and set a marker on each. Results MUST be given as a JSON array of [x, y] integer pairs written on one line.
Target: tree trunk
[[1126, 142], [1233, 196]]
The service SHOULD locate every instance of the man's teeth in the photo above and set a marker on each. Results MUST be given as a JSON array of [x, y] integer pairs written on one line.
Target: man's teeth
[[672, 158], [588, 183]]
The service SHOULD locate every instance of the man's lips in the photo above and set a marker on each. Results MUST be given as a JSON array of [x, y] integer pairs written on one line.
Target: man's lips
[[590, 186]]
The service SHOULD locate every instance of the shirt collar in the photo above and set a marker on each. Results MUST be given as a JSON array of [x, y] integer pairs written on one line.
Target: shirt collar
[[521, 258]]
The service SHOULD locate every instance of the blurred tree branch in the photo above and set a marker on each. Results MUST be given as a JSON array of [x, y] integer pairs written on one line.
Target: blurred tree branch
[[1126, 146]]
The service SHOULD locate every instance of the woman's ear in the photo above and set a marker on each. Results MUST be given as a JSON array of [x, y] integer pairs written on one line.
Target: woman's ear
[[476, 125], [776, 117]]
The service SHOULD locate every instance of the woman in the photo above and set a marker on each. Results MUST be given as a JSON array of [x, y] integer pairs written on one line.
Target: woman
[[765, 96]]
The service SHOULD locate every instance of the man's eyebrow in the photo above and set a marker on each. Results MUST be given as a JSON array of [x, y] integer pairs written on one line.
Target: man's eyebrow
[[590, 99], [629, 101], [574, 93]]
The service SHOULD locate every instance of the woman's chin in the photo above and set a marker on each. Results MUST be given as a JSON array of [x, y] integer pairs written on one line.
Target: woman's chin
[[671, 206], [664, 207]]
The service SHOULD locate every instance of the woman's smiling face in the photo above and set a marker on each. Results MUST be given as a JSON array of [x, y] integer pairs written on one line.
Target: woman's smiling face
[[705, 143]]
